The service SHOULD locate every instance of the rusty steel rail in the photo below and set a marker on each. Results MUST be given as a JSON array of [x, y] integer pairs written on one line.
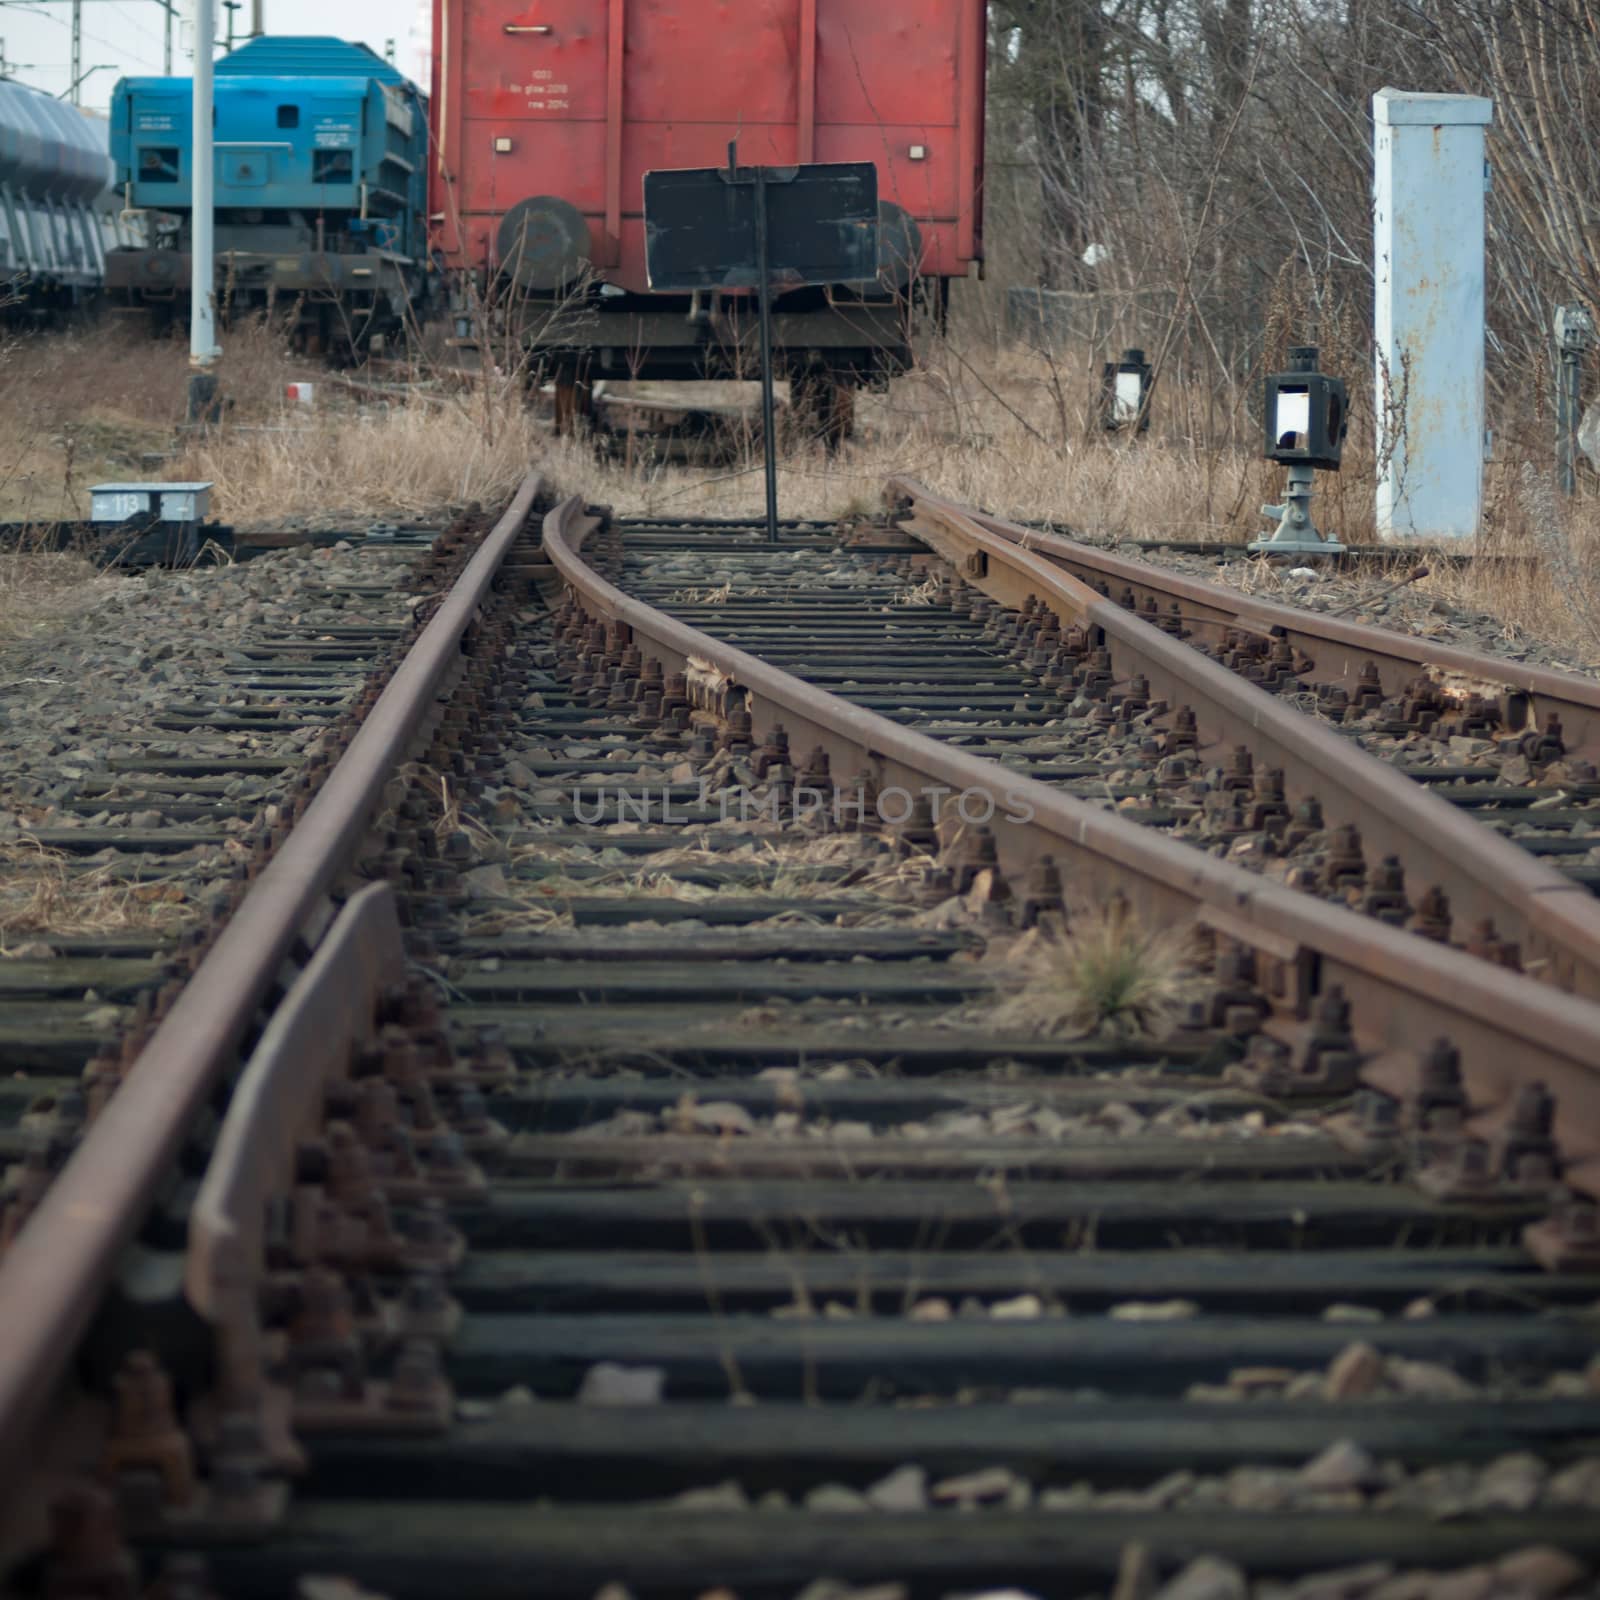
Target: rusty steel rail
[[1556, 921], [55, 1274], [1405, 992], [1339, 648], [279, 1098]]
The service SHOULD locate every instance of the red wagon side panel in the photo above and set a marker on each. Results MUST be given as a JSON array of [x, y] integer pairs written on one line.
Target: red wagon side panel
[[579, 98]]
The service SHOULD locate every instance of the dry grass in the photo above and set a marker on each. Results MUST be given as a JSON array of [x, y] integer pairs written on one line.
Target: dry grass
[[1009, 429], [41, 593], [104, 403], [1106, 975], [41, 896], [108, 403], [415, 459], [995, 431]]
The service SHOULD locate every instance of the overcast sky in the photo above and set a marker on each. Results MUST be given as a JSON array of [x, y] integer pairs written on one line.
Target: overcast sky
[[126, 34]]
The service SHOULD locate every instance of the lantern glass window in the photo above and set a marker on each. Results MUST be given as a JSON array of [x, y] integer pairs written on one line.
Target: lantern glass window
[[1293, 421], [1129, 393]]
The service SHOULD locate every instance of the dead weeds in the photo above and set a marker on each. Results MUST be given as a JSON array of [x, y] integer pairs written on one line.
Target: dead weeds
[[40, 896], [1102, 975]]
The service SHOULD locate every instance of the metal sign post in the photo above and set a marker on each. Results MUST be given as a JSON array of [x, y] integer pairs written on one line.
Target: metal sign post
[[769, 442], [203, 350], [734, 227], [1574, 334]]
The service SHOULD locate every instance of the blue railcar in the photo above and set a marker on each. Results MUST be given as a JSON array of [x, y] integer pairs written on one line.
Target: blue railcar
[[321, 190]]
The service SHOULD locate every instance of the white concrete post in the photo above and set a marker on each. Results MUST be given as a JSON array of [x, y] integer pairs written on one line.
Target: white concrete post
[[202, 178], [1428, 263]]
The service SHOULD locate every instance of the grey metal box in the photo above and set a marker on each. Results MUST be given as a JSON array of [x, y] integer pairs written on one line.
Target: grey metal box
[[171, 502]]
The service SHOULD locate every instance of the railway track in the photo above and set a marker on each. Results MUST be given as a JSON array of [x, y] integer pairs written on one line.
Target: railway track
[[131, 836], [668, 1174]]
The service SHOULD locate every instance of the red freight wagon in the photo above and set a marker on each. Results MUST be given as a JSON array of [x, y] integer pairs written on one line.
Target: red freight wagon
[[548, 113]]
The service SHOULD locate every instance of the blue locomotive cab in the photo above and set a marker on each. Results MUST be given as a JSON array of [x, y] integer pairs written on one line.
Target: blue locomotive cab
[[320, 153]]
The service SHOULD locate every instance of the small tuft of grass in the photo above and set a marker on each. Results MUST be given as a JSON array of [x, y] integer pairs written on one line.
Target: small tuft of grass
[[1106, 975]]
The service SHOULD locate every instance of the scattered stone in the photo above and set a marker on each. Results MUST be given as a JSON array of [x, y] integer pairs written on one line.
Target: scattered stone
[[33, 950], [1406, 1586], [726, 1496], [723, 1116], [1207, 1578], [829, 1589], [1357, 1370], [1540, 1571], [608, 1383], [1259, 1488], [1341, 1312], [836, 1497], [1343, 1465], [519, 1394], [934, 1310], [1469, 1583], [1025, 1308], [973, 1488], [1577, 1485], [1347, 1583], [1120, 1118], [1167, 1491], [905, 1489], [1511, 1483], [1080, 1497], [1252, 1379], [1308, 1386], [1213, 1393], [1427, 1380], [1154, 1311]]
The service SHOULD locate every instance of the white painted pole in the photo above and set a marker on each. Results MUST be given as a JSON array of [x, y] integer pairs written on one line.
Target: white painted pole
[[1428, 210], [202, 286]]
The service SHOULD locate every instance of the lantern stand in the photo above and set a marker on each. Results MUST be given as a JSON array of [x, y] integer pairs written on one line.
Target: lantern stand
[[1125, 393], [1574, 334], [1306, 420]]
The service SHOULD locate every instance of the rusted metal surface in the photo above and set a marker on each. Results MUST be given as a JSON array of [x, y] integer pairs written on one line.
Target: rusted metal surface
[[54, 1275], [1556, 920], [279, 1098], [1405, 992], [587, 103], [1339, 648]]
